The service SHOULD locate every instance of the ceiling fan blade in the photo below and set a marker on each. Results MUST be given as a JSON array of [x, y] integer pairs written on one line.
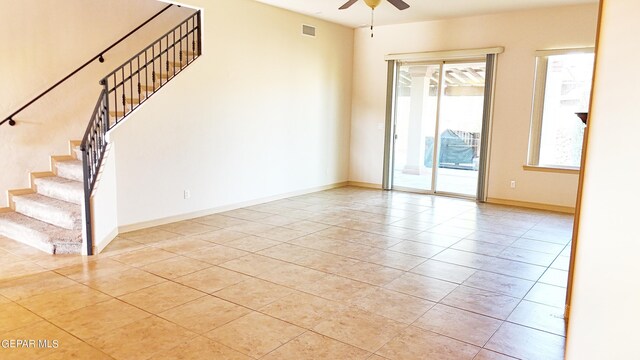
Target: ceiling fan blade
[[401, 5], [347, 4]]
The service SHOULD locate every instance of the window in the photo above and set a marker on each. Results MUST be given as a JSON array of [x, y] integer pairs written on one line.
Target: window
[[562, 89]]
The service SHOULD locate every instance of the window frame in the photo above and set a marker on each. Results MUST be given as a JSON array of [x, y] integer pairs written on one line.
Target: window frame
[[537, 112]]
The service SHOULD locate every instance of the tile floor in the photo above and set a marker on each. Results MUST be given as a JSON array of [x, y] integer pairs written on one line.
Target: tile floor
[[348, 273]]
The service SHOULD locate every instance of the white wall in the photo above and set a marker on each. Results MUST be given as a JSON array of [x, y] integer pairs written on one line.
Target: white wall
[[521, 33], [604, 308], [104, 203], [44, 40], [264, 111]]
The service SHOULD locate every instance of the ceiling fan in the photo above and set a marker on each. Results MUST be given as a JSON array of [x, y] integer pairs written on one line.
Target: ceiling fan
[[401, 5]]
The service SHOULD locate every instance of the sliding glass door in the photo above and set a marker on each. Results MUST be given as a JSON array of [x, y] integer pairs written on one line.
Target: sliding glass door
[[460, 128], [416, 116], [438, 117]]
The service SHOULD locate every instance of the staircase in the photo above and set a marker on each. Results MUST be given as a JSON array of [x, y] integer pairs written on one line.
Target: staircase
[[47, 216]]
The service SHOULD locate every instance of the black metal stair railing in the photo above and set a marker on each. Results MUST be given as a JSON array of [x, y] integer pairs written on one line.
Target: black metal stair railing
[[128, 87], [100, 57]]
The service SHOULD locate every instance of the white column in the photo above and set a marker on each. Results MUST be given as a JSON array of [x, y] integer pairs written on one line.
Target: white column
[[420, 76]]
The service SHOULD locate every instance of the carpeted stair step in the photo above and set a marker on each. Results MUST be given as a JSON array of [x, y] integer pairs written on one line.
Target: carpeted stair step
[[175, 64], [77, 152], [52, 211], [41, 235], [70, 169], [165, 75], [118, 113], [136, 100], [150, 88], [61, 189], [190, 54]]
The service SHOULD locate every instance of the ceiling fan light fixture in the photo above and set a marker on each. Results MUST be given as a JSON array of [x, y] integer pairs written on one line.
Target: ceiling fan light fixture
[[399, 4], [373, 3]]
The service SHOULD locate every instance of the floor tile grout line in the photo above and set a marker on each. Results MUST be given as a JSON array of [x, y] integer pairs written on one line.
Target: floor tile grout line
[[481, 269], [285, 343], [503, 258], [449, 336]]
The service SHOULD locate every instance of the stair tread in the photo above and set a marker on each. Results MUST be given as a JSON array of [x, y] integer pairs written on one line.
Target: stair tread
[[50, 210], [165, 75], [135, 100], [70, 162], [70, 169], [60, 205], [61, 188], [62, 181], [51, 234]]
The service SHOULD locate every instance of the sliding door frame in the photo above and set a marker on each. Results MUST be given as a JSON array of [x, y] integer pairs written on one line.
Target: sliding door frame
[[489, 56], [487, 126], [389, 138]]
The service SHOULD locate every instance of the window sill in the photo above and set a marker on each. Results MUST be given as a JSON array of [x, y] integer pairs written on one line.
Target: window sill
[[551, 169]]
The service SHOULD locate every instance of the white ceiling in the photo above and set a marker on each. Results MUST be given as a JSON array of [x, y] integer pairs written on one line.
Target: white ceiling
[[360, 15]]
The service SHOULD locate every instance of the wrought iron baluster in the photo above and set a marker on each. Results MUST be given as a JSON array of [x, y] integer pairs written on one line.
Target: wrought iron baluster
[[188, 42], [115, 95], [124, 90], [153, 67], [131, 82], [138, 78], [193, 35], [105, 99], [166, 50], [146, 74], [199, 33], [160, 60]]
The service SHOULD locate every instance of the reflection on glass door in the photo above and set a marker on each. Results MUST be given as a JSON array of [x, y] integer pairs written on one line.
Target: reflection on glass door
[[460, 128], [446, 99], [415, 123]]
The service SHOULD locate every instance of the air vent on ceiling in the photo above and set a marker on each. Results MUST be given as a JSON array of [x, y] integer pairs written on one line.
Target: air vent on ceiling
[[308, 30]]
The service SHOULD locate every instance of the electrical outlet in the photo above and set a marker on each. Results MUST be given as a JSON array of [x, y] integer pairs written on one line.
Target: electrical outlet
[[513, 184], [187, 194]]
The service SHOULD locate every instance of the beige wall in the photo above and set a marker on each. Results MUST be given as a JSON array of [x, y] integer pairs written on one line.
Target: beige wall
[[44, 40], [604, 309], [521, 33], [265, 111]]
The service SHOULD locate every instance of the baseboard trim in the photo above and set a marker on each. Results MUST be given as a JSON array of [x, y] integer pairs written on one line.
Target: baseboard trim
[[533, 205], [524, 204], [101, 245], [365, 185], [219, 209]]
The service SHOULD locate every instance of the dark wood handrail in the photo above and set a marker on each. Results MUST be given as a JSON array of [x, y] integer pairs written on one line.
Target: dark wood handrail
[[100, 57]]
